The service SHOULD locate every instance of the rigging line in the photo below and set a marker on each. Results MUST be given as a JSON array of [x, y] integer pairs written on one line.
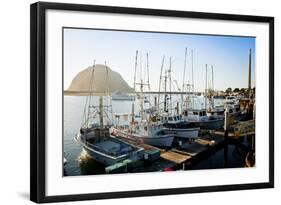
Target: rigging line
[[160, 80], [87, 97], [110, 102], [90, 96], [183, 80]]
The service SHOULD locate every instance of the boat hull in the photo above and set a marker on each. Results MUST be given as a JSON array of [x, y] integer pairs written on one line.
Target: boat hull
[[99, 157], [108, 159], [163, 141], [209, 125], [185, 133], [160, 141]]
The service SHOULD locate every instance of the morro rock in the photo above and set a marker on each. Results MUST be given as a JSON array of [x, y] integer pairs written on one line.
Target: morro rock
[[98, 80]]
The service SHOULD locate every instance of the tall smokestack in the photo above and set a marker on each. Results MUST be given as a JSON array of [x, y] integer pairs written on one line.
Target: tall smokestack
[[249, 70]]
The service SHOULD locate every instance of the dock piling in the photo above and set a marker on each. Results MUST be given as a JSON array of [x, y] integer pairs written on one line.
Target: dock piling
[[226, 128]]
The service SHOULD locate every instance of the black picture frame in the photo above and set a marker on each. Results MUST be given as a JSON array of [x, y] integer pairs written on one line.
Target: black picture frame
[[38, 100]]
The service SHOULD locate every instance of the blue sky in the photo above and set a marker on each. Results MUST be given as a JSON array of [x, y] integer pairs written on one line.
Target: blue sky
[[227, 54]]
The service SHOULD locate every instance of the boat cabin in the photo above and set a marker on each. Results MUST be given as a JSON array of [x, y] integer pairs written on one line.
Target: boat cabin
[[196, 115], [171, 119]]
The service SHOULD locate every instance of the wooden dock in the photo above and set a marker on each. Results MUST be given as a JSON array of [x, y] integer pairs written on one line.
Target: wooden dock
[[185, 154], [174, 157]]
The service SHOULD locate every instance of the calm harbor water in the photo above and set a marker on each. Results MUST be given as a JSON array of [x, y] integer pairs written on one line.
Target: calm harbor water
[[78, 164]]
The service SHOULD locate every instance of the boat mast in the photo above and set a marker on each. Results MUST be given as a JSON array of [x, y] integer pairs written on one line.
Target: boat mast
[[213, 89], [183, 79], [147, 66], [212, 77], [90, 94], [160, 82], [101, 111], [141, 89], [136, 64], [192, 79], [170, 78], [133, 113], [109, 101], [206, 87], [165, 91]]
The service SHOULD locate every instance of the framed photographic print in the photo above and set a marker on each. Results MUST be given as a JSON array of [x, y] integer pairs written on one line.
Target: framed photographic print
[[129, 102]]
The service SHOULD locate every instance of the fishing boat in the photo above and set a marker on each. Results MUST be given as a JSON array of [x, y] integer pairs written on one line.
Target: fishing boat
[[106, 149], [216, 111], [199, 118], [232, 103], [208, 117], [145, 131], [146, 134], [178, 126], [168, 117], [94, 135]]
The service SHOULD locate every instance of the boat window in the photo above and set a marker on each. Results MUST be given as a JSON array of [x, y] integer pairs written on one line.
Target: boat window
[[170, 118], [195, 113], [175, 118]]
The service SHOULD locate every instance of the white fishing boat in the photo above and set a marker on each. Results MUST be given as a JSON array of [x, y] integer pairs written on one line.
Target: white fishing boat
[[144, 131], [106, 149], [94, 135], [173, 123], [216, 111], [199, 118], [147, 134], [233, 104], [178, 126]]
